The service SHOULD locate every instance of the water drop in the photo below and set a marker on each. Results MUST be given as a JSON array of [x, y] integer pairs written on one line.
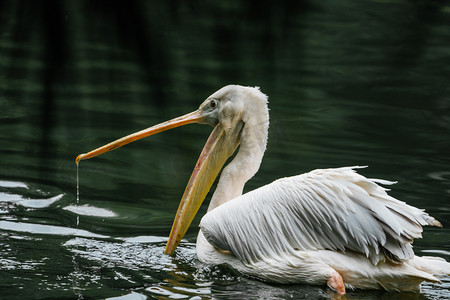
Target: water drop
[[78, 187], [78, 193]]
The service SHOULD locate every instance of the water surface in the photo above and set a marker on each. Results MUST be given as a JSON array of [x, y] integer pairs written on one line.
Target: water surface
[[348, 84]]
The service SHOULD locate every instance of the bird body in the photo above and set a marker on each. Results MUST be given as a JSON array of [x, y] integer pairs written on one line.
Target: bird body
[[306, 227], [328, 226]]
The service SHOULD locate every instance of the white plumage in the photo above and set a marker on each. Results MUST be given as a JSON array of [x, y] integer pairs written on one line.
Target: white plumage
[[335, 209], [329, 220], [320, 227], [329, 226]]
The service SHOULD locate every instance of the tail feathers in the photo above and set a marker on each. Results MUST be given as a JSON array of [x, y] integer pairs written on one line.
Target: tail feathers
[[431, 265], [432, 221]]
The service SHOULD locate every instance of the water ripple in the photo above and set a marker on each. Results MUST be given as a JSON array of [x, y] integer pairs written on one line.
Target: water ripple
[[136, 256], [443, 176], [46, 229], [88, 210]]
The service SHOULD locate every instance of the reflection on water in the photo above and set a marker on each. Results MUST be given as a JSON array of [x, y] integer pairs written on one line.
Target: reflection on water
[[19, 193], [349, 83], [88, 210], [46, 229]]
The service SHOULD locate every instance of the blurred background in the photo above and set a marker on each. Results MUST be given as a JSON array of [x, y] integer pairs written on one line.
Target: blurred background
[[349, 83]]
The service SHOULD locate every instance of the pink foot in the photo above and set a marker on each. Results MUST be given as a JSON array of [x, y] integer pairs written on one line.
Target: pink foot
[[335, 282]]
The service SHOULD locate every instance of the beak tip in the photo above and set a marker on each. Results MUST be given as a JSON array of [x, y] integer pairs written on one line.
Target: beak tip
[[172, 244], [168, 251], [79, 157]]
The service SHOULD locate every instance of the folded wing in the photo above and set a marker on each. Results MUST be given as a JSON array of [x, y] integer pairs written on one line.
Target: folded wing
[[333, 209]]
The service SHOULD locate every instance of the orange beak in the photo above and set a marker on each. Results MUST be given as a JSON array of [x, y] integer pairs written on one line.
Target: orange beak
[[193, 117], [220, 145]]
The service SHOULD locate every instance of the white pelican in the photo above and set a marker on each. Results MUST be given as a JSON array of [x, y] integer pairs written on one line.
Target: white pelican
[[330, 226]]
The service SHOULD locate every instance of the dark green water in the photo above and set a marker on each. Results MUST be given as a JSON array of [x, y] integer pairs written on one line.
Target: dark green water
[[349, 83]]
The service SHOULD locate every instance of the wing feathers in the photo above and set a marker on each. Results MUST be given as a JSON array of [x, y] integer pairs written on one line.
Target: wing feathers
[[335, 209]]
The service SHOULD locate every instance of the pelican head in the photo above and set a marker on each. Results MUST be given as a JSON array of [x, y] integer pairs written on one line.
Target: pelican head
[[232, 110]]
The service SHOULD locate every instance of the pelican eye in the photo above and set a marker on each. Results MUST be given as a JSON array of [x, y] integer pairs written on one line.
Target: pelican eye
[[213, 103]]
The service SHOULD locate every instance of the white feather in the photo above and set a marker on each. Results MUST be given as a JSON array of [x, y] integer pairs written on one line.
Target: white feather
[[308, 227], [331, 209]]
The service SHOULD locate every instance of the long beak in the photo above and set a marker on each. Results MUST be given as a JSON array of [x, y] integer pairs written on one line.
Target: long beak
[[193, 117], [220, 146]]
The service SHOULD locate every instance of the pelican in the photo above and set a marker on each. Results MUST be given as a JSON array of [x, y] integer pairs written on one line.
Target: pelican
[[330, 227]]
